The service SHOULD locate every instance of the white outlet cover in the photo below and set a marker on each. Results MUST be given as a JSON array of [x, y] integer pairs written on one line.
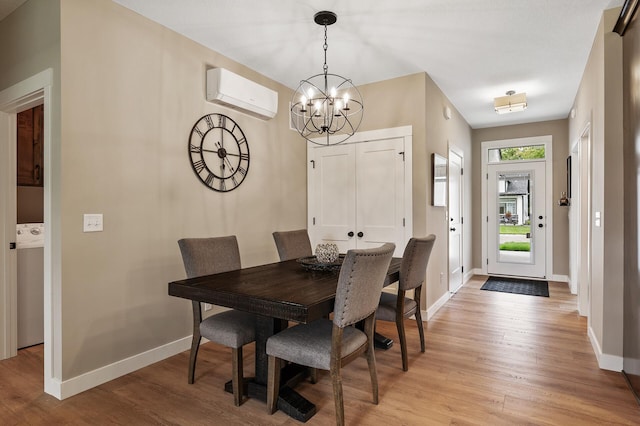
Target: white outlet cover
[[92, 222]]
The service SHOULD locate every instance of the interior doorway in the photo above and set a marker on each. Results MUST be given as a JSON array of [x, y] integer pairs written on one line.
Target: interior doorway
[[33, 91], [580, 220], [517, 218]]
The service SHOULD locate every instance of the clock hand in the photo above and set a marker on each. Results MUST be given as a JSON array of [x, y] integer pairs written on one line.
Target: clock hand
[[223, 156]]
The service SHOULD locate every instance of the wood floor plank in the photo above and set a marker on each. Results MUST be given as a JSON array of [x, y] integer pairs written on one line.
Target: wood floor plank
[[492, 359]]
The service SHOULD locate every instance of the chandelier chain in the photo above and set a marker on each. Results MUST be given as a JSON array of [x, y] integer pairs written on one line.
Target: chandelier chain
[[325, 46]]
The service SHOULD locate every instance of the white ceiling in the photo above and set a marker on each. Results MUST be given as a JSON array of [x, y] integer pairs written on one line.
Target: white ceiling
[[474, 50]]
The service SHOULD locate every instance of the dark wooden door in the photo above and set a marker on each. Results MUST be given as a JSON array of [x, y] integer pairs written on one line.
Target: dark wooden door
[[30, 147]]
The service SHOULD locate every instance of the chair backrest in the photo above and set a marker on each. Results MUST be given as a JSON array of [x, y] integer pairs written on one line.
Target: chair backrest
[[415, 258], [205, 256], [360, 283], [292, 244]]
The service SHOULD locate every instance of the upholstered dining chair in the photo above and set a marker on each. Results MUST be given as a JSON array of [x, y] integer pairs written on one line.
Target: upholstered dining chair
[[205, 256], [292, 244], [396, 308], [331, 344]]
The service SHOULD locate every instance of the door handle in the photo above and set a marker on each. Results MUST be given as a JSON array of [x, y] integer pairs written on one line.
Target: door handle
[[360, 234], [452, 229], [350, 234]]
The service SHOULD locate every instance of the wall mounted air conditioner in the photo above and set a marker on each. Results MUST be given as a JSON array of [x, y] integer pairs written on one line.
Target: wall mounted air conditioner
[[237, 92]]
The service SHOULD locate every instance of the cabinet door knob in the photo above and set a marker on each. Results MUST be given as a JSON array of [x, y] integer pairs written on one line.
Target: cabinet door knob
[[452, 229], [360, 234], [350, 234]]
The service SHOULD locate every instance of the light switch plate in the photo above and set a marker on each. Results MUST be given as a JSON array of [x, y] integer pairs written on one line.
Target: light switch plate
[[92, 222]]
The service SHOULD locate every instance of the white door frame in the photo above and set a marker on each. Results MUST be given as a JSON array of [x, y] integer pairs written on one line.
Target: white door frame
[[35, 90], [535, 140], [460, 153]]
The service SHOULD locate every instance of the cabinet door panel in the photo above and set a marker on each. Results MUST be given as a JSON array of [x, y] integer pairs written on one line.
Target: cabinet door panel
[[379, 193], [333, 196]]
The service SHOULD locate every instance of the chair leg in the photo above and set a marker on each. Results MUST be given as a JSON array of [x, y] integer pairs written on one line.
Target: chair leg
[[195, 345], [273, 384], [403, 342], [371, 361], [237, 375], [420, 329], [336, 379], [313, 375]]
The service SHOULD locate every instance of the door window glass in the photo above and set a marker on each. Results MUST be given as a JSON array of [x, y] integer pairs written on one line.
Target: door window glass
[[517, 153]]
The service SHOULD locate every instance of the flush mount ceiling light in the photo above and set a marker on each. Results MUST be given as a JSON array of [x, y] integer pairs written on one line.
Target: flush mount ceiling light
[[513, 102], [326, 105]]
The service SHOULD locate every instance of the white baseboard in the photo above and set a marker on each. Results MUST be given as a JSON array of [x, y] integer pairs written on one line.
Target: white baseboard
[[76, 385], [477, 271], [605, 361], [560, 278], [431, 310], [466, 277]]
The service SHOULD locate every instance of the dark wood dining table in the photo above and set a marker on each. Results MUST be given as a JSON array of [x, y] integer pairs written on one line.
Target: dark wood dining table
[[276, 293]]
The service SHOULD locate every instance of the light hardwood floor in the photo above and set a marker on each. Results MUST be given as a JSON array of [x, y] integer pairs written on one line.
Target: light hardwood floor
[[492, 359]]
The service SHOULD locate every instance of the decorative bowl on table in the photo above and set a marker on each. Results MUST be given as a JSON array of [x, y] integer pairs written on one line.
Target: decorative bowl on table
[[327, 258], [312, 264], [327, 253]]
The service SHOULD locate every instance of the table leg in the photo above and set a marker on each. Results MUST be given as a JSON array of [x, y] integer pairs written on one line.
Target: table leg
[[382, 342], [289, 401]]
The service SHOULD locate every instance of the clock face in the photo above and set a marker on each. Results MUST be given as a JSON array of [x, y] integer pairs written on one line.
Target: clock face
[[219, 152]]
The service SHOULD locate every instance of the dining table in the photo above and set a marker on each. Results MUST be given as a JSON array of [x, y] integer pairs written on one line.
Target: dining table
[[277, 293]]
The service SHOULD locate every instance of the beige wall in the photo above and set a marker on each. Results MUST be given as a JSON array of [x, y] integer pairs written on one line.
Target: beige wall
[[631, 69], [29, 41], [599, 103], [441, 134], [559, 133], [132, 92], [417, 101]]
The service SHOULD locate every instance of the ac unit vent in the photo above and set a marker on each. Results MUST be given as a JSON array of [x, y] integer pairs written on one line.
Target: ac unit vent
[[230, 89]]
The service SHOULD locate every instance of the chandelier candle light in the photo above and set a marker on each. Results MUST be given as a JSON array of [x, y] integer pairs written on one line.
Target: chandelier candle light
[[326, 105]]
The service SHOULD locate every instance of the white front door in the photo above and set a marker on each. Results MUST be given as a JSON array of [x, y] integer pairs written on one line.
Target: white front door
[[517, 219], [455, 221]]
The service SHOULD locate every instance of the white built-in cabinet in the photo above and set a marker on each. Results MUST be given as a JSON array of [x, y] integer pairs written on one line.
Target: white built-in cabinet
[[359, 191]]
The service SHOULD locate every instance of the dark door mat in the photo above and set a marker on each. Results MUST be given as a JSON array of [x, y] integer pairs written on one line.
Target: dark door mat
[[517, 286]]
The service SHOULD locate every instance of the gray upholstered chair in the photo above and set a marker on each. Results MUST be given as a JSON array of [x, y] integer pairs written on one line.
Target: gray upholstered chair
[[205, 256], [396, 308], [331, 344], [292, 244]]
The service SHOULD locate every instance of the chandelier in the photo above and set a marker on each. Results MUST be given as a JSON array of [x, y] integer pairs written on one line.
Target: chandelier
[[326, 106]]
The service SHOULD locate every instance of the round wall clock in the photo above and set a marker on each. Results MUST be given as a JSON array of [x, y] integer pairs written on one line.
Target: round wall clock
[[219, 152]]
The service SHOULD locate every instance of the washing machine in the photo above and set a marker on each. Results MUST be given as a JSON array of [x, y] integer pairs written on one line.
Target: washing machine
[[30, 258]]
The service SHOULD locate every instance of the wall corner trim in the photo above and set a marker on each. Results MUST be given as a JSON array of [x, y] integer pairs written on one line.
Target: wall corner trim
[[605, 361]]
